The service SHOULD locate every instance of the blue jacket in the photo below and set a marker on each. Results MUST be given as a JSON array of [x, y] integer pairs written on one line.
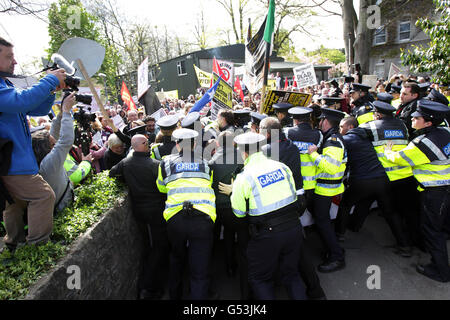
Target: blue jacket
[[15, 105], [362, 162]]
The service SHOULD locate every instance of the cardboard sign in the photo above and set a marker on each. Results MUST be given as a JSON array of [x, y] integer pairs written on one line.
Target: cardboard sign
[[118, 122], [370, 80], [297, 99], [224, 93], [159, 114], [204, 78], [142, 78], [305, 76]]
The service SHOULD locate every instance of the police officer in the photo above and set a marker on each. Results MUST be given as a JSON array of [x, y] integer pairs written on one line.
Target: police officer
[[77, 169], [282, 114], [265, 191], [192, 121], [402, 185], [279, 147], [303, 135], [362, 102], [428, 154], [190, 214], [167, 124], [330, 160], [395, 92], [256, 118]]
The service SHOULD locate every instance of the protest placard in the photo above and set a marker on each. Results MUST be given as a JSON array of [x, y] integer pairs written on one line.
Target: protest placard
[[142, 78], [204, 78], [297, 99], [118, 122], [370, 80], [224, 93], [227, 70], [305, 76], [159, 114]]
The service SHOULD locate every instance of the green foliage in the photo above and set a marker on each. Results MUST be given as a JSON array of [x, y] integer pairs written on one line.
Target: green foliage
[[63, 17], [21, 269], [336, 56], [436, 58]]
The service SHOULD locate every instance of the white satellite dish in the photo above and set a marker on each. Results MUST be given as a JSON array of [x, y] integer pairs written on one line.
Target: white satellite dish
[[88, 51]]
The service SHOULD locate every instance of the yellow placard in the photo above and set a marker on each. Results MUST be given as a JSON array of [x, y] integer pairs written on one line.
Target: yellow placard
[[204, 78], [271, 84], [297, 99], [224, 93]]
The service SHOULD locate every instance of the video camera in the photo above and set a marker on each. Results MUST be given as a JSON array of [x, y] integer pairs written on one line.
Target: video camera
[[84, 131]]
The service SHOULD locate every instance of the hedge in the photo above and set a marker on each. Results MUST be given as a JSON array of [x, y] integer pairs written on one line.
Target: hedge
[[21, 269]]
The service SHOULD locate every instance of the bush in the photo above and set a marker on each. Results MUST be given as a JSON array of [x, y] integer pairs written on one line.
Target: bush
[[21, 269]]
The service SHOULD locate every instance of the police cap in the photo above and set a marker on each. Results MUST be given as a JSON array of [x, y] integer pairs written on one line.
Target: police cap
[[257, 117], [332, 114], [301, 112], [137, 130], [424, 87], [329, 101], [249, 138], [190, 119], [168, 122], [241, 113], [395, 89], [334, 83], [383, 107], [385, 97], [184, 134], [431, 110], [436, 96], [348, 79], [282, 106], [359, 87]]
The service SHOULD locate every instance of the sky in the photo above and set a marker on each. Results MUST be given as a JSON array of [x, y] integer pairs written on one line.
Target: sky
[[30, 36]]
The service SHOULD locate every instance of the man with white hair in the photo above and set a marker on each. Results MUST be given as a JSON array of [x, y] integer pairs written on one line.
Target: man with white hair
[[115, 152]]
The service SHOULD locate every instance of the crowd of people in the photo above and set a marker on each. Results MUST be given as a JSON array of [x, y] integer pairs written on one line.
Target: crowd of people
[[244, 176]]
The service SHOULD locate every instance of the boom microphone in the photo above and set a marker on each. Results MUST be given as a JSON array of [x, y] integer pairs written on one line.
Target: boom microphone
[[63, 63]]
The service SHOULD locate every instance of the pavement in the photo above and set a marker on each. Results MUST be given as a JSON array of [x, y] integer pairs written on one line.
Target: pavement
[[370, 248]]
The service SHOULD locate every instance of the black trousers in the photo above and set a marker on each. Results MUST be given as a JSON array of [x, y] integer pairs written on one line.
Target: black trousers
[[272, 251], [234, 228], [435, 209], [406, 199], [368, 190], [322, 220], [156, 251], [190, 235]]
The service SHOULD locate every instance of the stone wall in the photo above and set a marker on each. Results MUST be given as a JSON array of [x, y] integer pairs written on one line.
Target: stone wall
[[109, 257]]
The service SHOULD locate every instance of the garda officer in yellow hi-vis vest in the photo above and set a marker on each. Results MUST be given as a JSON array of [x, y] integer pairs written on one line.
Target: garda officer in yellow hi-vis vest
[[77, 172], [330, 160], [265, 191], [190, 214], [429, 156]]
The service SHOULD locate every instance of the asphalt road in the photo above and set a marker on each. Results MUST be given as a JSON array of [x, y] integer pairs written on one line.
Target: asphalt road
[[370, 247]]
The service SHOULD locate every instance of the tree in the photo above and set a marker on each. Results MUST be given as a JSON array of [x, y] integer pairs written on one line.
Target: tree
[[200, 31], [22, 7], [335, 56], [241, 9], [436, 58]]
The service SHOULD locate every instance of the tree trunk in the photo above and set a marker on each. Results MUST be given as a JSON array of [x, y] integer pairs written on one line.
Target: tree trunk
[[363, 38], [348, 20]]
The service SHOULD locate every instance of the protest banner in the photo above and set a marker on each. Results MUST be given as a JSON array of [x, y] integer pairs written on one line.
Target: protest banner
[[271, 84], [255, 52], [142, 78], [204, 78], [168, 94], [297, 99], [370, 80], [305, 76], [126, 97]]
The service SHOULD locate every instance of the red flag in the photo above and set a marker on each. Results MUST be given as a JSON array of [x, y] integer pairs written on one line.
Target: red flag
[[295, 83], [286, 84], [238, 88], [126, 97], [217, 70]]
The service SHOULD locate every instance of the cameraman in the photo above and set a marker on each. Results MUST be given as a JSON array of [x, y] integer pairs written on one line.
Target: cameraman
[[26, 186], [51, 150]]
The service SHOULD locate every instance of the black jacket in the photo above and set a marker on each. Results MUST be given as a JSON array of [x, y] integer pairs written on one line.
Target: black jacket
[[140, 173], [289, 155], [404, 113], [225, 164], [363, 161]]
